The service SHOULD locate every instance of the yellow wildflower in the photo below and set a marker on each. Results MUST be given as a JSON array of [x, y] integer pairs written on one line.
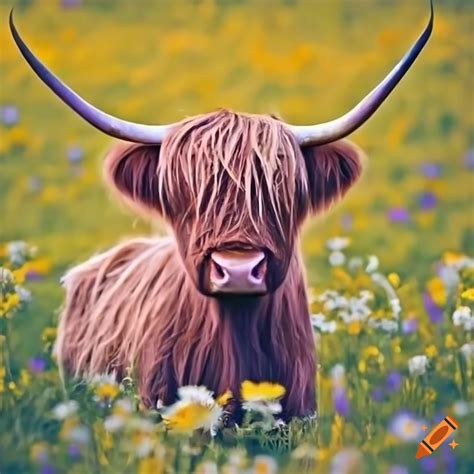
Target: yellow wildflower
[[19, 274], [196, 409], [261, 391], [11, 301], [337, 430], [468, 294], [107, 391], [394, 279], [40, 265], [354, 328], [431, 351], [150, 466], [188, 416], [39, 452], [224, 398], [395, 343], [49, 334], [265, 465], [437, 291], [450, 258], [430, 394], [371, 351], [362, 366], [25, 378], [450, 342]]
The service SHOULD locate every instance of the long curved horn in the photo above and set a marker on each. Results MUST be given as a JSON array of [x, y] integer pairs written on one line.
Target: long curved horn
[[115, 127], [352, 120]]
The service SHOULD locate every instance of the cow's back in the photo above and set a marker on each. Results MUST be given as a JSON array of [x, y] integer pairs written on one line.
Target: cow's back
[[106, 303]]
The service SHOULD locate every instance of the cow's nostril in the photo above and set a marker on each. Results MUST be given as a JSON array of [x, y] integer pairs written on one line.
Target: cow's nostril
[[219, 270], [258, 270]]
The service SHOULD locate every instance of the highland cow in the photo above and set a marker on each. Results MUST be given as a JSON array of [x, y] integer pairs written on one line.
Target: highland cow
[[224, 299]]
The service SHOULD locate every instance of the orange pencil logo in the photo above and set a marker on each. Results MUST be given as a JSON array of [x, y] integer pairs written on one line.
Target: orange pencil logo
[[436, 437]]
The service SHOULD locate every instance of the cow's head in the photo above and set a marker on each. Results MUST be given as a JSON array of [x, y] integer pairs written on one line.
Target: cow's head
[[235, 187]]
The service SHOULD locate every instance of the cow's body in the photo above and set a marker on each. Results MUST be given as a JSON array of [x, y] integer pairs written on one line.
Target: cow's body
[[135, 306]]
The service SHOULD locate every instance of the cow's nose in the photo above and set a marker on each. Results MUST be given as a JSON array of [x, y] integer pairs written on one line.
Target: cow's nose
[[238, 271]]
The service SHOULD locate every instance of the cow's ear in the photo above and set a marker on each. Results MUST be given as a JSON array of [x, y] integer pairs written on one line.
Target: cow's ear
[[332, 170], [131, 170]]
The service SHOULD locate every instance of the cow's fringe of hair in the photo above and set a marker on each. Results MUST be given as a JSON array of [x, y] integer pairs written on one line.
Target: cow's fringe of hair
[[136, 304], [248, 166]]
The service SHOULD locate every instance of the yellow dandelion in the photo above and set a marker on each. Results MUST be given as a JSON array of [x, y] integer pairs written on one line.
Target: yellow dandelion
[[19, 274], [265, 465], [395, 344], [25, 378], [225, 398], [450, 342], [362, 367], [187, 416], [468, 294], [430, 394], [39, 452], [107, 391], [451, 258], [431, 351], [49, 334], [150, 466], [261, 391], [394, 279], [437, 291], [354, 328], [11, 301], [371, 351]]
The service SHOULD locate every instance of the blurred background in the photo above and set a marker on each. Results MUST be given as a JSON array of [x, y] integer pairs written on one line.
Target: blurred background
[[308, 61]]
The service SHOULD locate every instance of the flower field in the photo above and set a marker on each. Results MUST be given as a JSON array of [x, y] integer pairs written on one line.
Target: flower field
[[390, 269]]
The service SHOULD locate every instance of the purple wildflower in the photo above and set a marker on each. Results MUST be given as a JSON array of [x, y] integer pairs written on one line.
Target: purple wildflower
[[34, 184], [394, 380], [428, 464], [9, 115], [406, 426], [377, 394], [431, 170], [449, 459], [74, 451], [409, 326], [398, 214], [398, 469], [434, 312], [347, 221], [341, 401], [33, 275], [71, 3], [47, 469], [36, 365], [75, 154], [469, 159], [427, 200]]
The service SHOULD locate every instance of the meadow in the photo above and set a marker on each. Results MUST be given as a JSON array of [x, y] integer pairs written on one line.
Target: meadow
[[390, 269]]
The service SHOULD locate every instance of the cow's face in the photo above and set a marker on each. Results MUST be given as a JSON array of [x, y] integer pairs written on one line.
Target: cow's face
[[235, 188]]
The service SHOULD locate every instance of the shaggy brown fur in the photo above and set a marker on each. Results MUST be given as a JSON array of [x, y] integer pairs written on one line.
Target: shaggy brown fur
[[221, 179]]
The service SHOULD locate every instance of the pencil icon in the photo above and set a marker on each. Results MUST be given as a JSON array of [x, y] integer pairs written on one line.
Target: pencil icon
[[436, 437]]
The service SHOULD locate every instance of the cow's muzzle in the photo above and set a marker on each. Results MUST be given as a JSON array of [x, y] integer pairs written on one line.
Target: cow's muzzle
[[237, 272]]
